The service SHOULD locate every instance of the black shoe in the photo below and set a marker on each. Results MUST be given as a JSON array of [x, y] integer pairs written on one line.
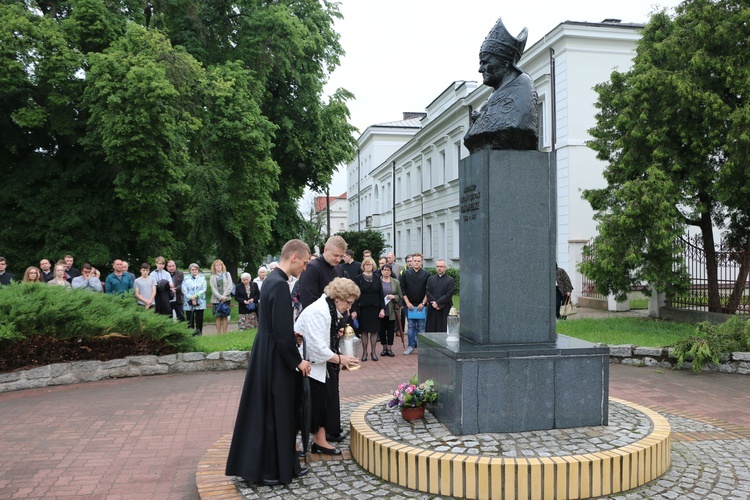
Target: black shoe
[[336, 439], [327, 451], [390, 353], [384, 353], [374, 358], [301, 454], [269, 482], [302, 472], [364, 357]]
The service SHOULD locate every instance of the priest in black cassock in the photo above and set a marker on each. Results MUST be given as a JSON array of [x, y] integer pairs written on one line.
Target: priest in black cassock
[[440, 289], [263, 444]]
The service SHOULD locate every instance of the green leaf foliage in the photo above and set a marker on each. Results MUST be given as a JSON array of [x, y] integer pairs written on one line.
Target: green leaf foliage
[[711, 343], [674, 133], [28, 309], [190, 136]]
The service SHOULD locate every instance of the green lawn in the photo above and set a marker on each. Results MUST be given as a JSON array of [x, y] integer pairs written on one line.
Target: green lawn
[[636, 331], [611, 331], [230, 341]]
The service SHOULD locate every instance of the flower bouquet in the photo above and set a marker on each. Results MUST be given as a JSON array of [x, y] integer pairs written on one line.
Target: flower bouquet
[[412, 398]]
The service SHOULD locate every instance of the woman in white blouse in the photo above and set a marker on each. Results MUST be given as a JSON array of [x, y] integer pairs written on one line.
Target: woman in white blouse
[[319, 324]]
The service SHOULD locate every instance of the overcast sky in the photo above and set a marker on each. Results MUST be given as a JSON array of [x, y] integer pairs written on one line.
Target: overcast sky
[[401, 54]]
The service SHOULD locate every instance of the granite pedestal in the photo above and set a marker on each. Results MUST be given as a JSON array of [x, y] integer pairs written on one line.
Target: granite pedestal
[[510, 371], [516, 388]]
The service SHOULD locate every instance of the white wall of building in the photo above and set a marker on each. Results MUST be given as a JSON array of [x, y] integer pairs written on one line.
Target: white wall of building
[[339, 208]]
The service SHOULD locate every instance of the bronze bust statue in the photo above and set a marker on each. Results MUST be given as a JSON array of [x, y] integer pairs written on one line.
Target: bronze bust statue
[[508, 118]]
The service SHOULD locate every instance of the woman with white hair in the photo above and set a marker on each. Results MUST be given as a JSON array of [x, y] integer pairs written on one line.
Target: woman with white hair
[[321, 324], [262, 271], [194, 292], [247, 295]]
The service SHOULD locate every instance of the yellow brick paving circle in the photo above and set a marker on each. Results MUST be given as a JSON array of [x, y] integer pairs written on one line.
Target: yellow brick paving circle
[[475, 476]]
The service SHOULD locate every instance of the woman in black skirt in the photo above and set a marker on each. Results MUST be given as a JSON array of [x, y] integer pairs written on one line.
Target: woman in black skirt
[[370, 308]]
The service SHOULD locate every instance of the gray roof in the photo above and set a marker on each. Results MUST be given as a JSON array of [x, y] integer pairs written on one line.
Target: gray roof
[[411, 123]]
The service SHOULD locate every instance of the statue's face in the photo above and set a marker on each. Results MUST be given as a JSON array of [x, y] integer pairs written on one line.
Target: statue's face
[[493, 69]]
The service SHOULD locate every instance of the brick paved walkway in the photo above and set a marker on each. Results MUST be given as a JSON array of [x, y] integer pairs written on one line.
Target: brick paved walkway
[[142, 438]]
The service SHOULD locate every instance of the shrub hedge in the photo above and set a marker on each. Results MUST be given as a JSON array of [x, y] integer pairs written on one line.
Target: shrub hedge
[[712, 342], [28, 309]]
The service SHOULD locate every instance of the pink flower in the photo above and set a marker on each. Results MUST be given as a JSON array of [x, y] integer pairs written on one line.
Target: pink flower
[[401, 387], [410, 389]]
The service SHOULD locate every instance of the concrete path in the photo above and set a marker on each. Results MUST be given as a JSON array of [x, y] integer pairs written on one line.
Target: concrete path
[[142, 438]]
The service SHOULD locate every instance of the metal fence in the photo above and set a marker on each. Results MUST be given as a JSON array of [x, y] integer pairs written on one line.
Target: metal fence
[[588, 288], [728, 267]]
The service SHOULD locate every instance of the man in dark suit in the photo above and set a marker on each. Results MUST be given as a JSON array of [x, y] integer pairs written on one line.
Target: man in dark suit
[[177, 277], [262, 449], [70, 270], [47, 272], [5, 277], [440, 288], [351, 266]]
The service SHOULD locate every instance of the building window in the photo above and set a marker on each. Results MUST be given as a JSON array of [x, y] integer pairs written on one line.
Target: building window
[[407, 187], [441, 169], [454, 165], [398, 189], [428, 241], [427, 175], [419, 180], [442, 242], [456, 243], [407, 242]]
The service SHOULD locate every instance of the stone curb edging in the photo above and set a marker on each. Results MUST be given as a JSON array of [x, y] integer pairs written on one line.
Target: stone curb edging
[[132, 366], [663, 357], [76, 372], [472, 476]]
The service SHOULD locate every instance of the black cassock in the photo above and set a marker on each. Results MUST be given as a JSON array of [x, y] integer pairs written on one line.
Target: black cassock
[[440, 289], [265, 430]]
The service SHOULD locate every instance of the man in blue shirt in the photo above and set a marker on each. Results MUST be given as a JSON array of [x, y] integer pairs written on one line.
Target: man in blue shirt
[[118, 282]]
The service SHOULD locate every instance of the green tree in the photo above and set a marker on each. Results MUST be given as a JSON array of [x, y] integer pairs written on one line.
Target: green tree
[[52, 190], [359, 241], [232, 187], [674, 132], [290, 48], [140, 95], [123, 140]]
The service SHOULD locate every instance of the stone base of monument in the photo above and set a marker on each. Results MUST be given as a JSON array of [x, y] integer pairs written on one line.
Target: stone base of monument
[[584, 462], [516, 387]]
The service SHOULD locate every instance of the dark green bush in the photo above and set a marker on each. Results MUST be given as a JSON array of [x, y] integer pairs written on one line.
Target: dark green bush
[[712, 342], [28, 309]]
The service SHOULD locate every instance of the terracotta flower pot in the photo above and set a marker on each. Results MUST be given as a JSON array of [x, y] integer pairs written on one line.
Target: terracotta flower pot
[[410, 414]]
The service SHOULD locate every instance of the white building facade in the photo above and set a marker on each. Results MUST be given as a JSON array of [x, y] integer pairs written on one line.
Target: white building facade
[[410, 193], [338, 207]]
